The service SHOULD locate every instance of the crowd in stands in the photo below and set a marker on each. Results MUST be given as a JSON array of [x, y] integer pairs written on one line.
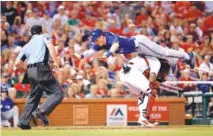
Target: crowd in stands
[[179, 25]]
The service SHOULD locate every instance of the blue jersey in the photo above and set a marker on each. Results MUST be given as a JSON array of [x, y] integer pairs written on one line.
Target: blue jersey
[[126, 45], [6, 104]]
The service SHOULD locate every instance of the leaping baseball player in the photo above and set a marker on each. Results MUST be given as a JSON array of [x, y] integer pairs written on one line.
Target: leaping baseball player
[[140, 44]]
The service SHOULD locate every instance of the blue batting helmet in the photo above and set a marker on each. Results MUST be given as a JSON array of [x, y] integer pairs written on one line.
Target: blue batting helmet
[[95, 34]]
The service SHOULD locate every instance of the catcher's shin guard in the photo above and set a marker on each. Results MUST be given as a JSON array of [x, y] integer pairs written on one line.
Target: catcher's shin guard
[[146, 103]]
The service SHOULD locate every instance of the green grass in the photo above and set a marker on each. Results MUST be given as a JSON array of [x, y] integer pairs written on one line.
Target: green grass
[[111, 131]]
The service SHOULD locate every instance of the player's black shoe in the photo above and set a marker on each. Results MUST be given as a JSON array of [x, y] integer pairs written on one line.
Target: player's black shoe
[[24, 127], [174, 69], [191, 61], [40, 115]]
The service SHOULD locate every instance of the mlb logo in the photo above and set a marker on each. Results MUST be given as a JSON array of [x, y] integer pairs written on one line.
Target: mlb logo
[[116, 112], [116, 115]]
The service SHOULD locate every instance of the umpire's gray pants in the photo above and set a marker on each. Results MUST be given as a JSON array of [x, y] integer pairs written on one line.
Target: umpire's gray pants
[[41, 79]]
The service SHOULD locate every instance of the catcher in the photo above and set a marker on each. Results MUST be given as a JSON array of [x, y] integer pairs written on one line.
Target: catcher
[[143, 75]]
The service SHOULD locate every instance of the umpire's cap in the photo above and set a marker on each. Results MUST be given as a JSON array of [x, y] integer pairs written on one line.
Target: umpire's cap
[[95, 34], [36, 29]]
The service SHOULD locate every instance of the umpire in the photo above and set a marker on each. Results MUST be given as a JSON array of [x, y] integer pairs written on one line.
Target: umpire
[[40, 77]]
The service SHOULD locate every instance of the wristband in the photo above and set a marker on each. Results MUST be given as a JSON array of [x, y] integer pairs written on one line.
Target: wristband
[[109, 53]]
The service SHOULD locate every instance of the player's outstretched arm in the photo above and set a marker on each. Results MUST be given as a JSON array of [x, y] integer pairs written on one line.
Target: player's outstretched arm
[[112, 50], [88, 53]]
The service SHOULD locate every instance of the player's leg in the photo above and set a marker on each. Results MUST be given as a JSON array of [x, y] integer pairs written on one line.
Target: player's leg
[[136, 79], [55, 96], [52, 88], [150, 48], [5, 123], [15, 116], [5, 117], [32, 100], [138, 84], [146, 102], [11, 114], [30, 106]]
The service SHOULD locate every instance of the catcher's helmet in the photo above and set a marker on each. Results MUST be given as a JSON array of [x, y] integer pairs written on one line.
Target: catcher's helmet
[[95, 34], [36, 29]]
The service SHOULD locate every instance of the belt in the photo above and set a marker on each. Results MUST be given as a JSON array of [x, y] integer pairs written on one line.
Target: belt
[[131, 63], [36, 64]]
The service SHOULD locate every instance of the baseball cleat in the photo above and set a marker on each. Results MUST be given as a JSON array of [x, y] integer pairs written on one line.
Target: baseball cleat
[[146, 123], [154, 121], [191, 61], [24, 127], [38, 114]]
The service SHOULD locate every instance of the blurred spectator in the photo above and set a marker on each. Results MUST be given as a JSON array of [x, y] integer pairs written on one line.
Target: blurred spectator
[[208, 24], [189, 45], [102, 88], [4, 39], [119, 87], [89, 73], [193, 13], [25, 38], [48, 22], [73, 91], [21, 10], [114, 93], [208, 7], [126, 8], [22, 89], [18, 27], [61, 16], [186, 77], [204, 88], [102, 73], [67, 59], [131, 31], [72, 44], [180, 9], [60, 50], [206, 66], [205, 47], [83, 84], [10, 45], [58, 34], [8, 109], [143, 16], [4, 80], [9, 11], [167, 6], [93, 92], [33, 19]]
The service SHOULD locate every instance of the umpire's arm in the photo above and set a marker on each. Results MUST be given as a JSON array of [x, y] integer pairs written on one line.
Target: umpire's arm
[[19, 63], [48, 41]]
